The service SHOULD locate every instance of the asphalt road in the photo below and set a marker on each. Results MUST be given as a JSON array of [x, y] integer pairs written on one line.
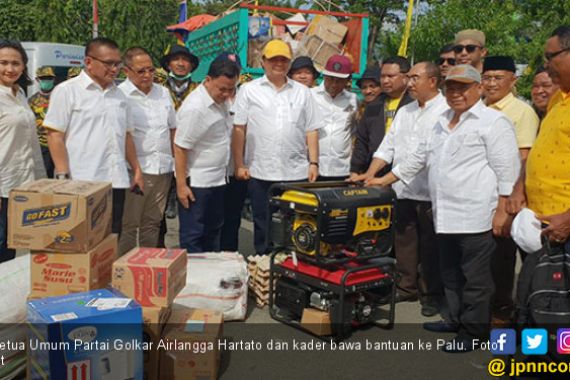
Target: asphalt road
[[262, 348]]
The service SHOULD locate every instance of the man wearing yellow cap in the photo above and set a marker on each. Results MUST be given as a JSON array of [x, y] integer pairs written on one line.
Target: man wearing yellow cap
[[39, 102], [276, 124]]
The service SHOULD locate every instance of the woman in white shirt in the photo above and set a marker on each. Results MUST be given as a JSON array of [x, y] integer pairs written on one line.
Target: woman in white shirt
[[20, 155]]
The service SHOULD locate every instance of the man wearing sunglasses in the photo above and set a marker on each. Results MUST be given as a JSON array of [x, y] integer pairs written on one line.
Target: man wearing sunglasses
[[89, 126], [470, 48], [154, 122], [446, 60]]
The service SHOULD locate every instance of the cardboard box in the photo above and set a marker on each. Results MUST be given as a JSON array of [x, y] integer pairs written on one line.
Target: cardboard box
[[316, 321], [201, 328], [58, 274], [59, 216], [91, 335], [152, 276], [328, 29], [318, 49], [154, 319]]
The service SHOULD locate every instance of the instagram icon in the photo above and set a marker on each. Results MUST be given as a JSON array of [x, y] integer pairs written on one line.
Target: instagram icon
[[563, 341]]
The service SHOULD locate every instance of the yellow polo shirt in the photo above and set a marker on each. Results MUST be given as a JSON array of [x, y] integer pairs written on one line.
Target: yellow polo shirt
[[390, 111], [548, 164], [523, 117]]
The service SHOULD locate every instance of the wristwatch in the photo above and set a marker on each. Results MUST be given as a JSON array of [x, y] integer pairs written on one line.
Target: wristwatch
[[314, 163], [61, 176]]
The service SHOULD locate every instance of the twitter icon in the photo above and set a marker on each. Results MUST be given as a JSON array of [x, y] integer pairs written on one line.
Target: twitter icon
[[534, 341]]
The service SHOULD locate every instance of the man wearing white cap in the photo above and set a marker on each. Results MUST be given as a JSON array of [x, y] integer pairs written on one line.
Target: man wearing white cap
[[472, 160], [337, 108], [275, 136]]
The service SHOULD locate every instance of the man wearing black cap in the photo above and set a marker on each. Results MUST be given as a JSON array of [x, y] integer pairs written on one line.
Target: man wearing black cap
[[379, 113], [179, 63], [498, 81], [369, 84], [303, 71]]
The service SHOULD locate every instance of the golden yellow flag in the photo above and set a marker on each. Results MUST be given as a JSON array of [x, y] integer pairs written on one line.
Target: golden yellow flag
[[403, 51]]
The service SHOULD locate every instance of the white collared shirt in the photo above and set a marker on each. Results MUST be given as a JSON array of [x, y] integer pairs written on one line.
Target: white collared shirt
[[95, 122], [402, 139], [277, 123], [468, 167], [20, 155], [335, 136], [153, 116], [203, 129]]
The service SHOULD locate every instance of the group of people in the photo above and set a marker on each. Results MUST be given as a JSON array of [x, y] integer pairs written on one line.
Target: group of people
[[450, 137]]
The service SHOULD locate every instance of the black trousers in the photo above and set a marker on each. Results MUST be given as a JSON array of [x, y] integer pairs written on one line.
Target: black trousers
[[234, 199], [118, 209], [48, 161], [5, 253], [503, 269], [465, 262], [415, 245]]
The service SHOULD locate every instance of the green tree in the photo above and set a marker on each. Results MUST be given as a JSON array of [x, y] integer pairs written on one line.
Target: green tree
[[139, 23], [517, 28], [17, 20]]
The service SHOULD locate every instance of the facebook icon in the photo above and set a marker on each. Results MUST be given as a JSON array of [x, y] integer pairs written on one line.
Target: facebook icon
[[503, 341]]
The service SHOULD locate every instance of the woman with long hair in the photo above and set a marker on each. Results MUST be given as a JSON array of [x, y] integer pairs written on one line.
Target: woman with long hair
[[20, 154]]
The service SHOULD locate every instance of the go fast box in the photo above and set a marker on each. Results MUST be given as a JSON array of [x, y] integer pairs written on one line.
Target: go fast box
[[83, 336], [152, 276], [59, 216]]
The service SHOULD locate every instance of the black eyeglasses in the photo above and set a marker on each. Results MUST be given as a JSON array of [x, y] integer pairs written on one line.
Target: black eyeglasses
[[470, 48], [550, 56], [109, 64], [141, 72], [450, 61]]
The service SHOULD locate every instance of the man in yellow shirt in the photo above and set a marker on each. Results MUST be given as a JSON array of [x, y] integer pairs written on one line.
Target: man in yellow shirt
[[545, 186], [499, 81]]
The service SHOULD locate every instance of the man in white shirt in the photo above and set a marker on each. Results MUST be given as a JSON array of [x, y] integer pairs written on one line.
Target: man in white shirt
[[275, 136], [338, 108], [415, 236], [154, 121], [89, 128], [472, 161], [202, 153]]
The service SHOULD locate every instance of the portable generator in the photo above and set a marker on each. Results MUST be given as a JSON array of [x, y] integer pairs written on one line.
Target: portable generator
[[332, 222], [348, 295]]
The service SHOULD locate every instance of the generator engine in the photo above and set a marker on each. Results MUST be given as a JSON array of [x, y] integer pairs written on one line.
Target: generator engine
[[332, 221], [350, 295]]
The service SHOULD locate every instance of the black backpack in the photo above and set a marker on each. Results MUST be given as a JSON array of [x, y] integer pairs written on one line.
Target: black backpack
[[543, 292]]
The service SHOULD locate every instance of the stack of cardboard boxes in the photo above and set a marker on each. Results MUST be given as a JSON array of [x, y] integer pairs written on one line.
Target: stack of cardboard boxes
[[153, 277], [323, 38], [67, 227]]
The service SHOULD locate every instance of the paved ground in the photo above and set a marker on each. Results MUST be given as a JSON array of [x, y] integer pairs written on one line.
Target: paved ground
[[373, 352]]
